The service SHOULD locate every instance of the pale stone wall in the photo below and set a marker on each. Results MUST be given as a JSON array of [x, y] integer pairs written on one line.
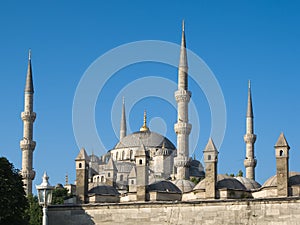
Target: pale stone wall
[[257, 211]]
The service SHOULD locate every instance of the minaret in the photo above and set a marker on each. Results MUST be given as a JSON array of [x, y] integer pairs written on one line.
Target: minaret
[[282, 166], [27, 145], [210, 155], [182, 127], [250, 138], [123, 128]]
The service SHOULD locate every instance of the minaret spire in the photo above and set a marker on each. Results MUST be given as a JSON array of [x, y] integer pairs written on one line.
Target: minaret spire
[[27, 144], [250, 138], [123, 127], [182, 127]]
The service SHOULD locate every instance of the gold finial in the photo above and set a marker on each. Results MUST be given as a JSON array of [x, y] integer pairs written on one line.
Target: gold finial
[[144, 128]]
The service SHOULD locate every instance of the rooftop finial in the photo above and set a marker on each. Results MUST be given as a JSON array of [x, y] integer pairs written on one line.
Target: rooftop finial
[[183, 25], [249, 84], [29, 54], [144, 128]]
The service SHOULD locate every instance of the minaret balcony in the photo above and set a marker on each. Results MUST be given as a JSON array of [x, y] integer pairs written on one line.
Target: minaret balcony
[[250, 138], [27, 144], [28, 174], [250, 162], [182, 95], [182, 161], [28, 116], [183, 128]]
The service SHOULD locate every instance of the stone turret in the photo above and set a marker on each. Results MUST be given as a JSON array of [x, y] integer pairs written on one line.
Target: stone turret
[[110, 172], [282, 166], [123, 128], [250, 138], [27, 144], [182, 127], [142, 173], [211, 160], [82, 171]]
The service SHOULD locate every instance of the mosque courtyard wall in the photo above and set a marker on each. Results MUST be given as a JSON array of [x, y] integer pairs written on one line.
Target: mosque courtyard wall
[[248, 211]]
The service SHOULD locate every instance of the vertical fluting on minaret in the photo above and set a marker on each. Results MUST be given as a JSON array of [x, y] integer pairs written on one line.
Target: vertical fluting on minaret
[[182, 127], [250, 138], [123, 128], [27, 145]]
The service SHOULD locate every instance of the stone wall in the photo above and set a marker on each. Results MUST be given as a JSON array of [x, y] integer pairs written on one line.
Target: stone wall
[[253, 211]]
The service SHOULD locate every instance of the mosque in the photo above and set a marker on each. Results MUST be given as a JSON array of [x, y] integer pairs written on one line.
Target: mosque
[[146, 166]]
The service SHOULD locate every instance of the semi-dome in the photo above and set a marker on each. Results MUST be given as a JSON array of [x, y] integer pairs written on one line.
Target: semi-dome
[[294, 179], [184, 185], [147, 138], [249, 184], [223, 181], [164, 186]]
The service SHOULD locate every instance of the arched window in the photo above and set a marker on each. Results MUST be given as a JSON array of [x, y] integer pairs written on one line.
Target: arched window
[[132, 181], [97, 179], [121, 177], [80, 165], [131, 155], [209, 157], [141, 162], [123, 155], [102, 179], [117, 154], [108, 174], [281, 153]]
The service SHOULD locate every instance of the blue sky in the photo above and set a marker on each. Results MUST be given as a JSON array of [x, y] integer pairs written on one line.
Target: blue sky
[[238, 40]]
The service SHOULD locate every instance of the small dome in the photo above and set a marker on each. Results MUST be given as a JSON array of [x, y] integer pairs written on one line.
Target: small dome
[[163, 186], [103, 189], [294, 179], [184, 185], [249, 184], [148, 139], [223, 181]]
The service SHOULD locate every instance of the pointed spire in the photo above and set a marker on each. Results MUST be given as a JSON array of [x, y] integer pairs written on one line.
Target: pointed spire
[[82, 155], [282, 142], [210, 147], [250, 108], [183, 56], [29, 82], [123, 127], [144, 128]]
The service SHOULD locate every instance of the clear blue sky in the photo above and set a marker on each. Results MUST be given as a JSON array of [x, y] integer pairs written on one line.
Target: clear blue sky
[[238, 40]]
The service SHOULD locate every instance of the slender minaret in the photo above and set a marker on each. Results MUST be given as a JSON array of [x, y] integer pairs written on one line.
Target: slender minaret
[[27, 145], [250, 138], [123, 128], [182, 127]]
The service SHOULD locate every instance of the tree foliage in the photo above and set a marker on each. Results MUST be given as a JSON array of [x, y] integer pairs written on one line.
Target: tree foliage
[[35, 211], [13, 201], [59, 195]]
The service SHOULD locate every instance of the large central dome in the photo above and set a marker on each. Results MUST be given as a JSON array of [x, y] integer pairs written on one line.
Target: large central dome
[[147, 138]]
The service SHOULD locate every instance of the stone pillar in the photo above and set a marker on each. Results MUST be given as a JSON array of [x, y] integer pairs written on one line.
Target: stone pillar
[[82, 171], [142, 173]]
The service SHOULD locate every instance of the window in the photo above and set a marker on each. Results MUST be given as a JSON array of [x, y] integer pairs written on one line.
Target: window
[[123, 155], [108, 174], [209, 157], [121, 177], [141, 162], [132, 181], [131, 154], [80, 165], [117, 154], [102, 179], [281, 153]]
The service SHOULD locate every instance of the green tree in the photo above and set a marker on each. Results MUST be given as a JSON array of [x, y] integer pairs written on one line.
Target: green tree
[[59, 195], [240, 173], [35, 211], [13, 201]]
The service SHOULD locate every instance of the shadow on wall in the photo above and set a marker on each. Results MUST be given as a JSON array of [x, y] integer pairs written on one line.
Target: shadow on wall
[[66, 215]]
